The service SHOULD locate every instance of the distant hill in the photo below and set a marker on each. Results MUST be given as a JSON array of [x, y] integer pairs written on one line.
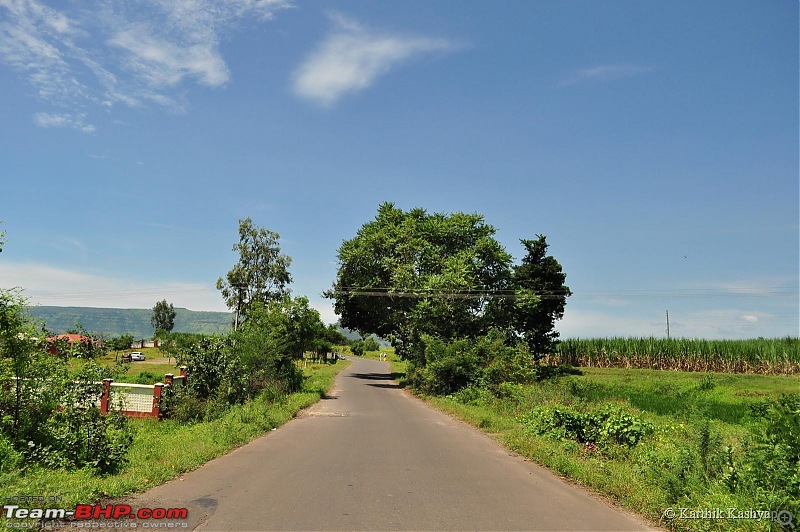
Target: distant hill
[[116, 321]]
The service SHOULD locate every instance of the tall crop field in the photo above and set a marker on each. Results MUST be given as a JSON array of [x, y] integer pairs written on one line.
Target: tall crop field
[[772, 356]]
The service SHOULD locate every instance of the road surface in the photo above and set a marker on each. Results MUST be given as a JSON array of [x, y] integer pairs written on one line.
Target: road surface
[[373, 457]]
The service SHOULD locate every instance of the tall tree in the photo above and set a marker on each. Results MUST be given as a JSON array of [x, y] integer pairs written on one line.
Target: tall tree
[[406, 274], [541, 296], [163, 318], [262, 273]]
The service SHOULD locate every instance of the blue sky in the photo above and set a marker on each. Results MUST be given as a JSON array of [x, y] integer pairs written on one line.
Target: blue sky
[[654, 143]]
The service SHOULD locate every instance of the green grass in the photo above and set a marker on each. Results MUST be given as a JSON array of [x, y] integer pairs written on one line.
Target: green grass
[[680, 405], [165, 449]]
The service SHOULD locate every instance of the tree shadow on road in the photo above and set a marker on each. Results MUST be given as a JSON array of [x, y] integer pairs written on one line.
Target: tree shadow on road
[[390, 379]]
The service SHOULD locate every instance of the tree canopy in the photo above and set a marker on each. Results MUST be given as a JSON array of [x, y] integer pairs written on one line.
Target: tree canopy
[[411, 274], [163, 318], [262, 273]]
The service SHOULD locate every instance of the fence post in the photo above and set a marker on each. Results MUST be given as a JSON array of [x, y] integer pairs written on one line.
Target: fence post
[[156, 412], [105, 397], [183, 372], [168, 378]]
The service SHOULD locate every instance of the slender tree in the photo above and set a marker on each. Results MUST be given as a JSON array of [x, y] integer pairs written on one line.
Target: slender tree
[[262, 273], [541, 296], [163, 318]]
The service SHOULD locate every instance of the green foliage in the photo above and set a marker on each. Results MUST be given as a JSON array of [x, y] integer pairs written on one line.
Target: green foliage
[[704, 451], [10, 458], [163, 449], [484, 361], [215, 371], [163, 318], [120, 343], [773, 467], [441, 268], [273, 337], [49, 416], [541, 296], [334, 336], [78, 434], [443, 290], [177, 344], [260, 356], [145, 377], [360, 347], [262, 273], [609, 424]]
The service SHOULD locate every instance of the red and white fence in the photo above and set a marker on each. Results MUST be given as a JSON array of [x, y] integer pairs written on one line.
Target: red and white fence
[[137, 400]]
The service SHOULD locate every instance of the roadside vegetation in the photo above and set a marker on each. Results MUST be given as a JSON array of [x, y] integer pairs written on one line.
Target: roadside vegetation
[[649, 439], [54, 440], [474, 334], [161, 450]]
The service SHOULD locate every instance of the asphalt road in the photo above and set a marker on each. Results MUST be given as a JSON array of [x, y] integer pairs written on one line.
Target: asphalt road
[[373, 457]]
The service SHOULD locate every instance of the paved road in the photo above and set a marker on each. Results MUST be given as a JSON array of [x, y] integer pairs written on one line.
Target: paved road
[[372, 457]]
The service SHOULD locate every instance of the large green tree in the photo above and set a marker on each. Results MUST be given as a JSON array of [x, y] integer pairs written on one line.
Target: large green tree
[[407, 274], [163, 318], [262, 273]]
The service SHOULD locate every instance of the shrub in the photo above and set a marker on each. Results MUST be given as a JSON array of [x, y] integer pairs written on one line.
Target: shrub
[[10, 459], [773, 465], [607, 425], [449, 367], [485, 361]]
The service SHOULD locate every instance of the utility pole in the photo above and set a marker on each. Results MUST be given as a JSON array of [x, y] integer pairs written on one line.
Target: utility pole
[[667, 325]]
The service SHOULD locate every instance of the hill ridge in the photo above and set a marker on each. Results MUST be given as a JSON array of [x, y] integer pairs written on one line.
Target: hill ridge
[[116, 321]]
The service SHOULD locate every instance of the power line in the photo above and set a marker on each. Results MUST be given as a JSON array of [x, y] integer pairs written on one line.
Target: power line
[[555, 294]]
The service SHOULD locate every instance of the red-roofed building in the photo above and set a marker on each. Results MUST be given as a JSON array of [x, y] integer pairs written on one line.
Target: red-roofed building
[[69, 339]]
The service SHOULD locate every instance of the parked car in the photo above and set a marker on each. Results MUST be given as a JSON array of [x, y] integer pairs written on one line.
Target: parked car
[[137, 356]]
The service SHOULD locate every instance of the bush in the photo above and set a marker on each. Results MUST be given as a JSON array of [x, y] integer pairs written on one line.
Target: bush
[[772, 468], [10, 459], [485, 361], [214, 371], [607, 425], [449, 367]]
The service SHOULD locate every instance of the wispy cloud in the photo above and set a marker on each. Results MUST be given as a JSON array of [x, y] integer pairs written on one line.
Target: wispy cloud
[[84, 56], [601, 73], [352, 57], [63, 120], [51, 285]]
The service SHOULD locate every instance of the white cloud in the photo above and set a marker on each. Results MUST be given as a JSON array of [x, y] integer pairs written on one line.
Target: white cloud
[[160, 62], [603, 73], [63, 120], [352, 58], [100, 54], [49, 285]]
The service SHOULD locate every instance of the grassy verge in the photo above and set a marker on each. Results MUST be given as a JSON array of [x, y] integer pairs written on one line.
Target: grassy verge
[[701, 427], [165, 449]]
